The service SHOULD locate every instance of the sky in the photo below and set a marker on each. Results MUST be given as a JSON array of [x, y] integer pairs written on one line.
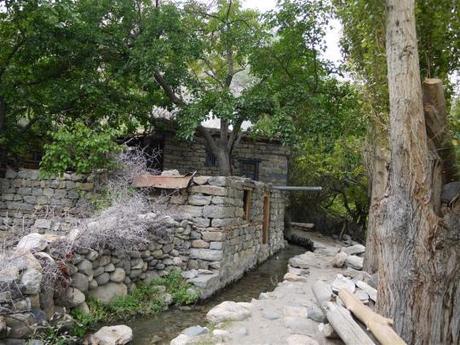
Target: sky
[[332, 38]]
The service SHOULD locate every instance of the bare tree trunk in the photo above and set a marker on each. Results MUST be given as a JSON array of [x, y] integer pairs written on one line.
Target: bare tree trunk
[[2, 114], [223, 158], [419, 256], [378, 180]]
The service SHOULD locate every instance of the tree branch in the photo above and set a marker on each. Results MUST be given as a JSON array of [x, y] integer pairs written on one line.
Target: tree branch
[[168, 90]]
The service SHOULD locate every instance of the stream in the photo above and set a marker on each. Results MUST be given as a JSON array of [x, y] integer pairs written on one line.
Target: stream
[[160, 329]]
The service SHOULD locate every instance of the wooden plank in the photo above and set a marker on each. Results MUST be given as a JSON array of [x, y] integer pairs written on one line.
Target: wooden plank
[[379, 326], [266, 223], [163, 182], [346, 328]]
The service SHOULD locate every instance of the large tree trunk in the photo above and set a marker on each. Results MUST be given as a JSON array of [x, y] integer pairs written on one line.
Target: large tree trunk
[[224, 161], [419, 255]]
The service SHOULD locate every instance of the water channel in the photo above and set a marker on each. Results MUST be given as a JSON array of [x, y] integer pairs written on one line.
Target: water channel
[[159, 330]]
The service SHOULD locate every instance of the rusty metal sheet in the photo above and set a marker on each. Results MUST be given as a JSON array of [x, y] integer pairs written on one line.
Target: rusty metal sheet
[[163, 182]]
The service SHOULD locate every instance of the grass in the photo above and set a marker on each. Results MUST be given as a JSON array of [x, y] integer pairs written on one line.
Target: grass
[[145, 299]]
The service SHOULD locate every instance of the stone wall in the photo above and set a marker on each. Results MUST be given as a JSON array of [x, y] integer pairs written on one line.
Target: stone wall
[[225, 242], [26, 197], [214, 233], [271, 158]]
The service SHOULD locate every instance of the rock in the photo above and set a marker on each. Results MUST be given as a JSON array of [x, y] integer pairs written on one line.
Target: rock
[[221, 334], [189, 274], [228, 311], [195, 331], [239, 332], [92, 284], [30, 281], [118, 275], [32, 242], [305, 260], [300, 325], [109, 268], [327, 330], [298, 339], [342, 282], [80, 281], [270, 314], [339, 259], [362, 295], [316, 314], [102, 279], [171, 172], [181, 339], [167, 299], [21, 325], [355, 262], [108, 292], [206, 254], [200, 244], [356, 249], [83, 308], [86, 267], [290, 311], [73, 297], [291, 277], [112, 335]]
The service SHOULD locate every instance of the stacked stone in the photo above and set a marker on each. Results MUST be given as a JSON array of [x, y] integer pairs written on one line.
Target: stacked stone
[[222, 240], [25, 196], [191, 156]]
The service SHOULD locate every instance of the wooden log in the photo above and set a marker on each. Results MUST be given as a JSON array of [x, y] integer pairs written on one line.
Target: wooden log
[[369, 289], [347, 329], [379, 326]]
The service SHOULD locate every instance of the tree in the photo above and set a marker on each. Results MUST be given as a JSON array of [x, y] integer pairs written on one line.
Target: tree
[[419, 248], [66, 61], [364, 46]]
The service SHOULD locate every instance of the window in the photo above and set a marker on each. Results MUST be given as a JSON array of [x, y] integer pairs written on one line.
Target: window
[[266, 223], [250, 168], [211, 159], [247, 204]]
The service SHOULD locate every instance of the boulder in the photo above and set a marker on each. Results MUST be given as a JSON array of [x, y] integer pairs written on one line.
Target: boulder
[[32, 242], [316, 314], [21, 325], [86, 267], [80, 281], [73, 297], [355, 262], [108, 292], [31, 280], [292, 277], [356, 249], [228, 311], [112, 335], [342, 282], [339, 259], [118, 275], [195, 331]]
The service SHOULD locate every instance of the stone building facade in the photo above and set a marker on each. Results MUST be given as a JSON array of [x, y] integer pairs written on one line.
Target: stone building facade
[[258, 159]]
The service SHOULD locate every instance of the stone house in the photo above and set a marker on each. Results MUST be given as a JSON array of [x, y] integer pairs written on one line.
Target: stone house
[[260, 159]]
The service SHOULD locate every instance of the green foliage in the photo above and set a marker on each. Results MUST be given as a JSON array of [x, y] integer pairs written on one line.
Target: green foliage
[[79, 148], [145, 299]]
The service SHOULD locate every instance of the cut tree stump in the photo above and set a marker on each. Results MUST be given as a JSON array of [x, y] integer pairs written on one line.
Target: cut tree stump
[[347, 329], [379, 326]]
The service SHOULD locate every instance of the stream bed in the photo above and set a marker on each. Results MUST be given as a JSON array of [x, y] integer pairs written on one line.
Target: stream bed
[[160, 329]]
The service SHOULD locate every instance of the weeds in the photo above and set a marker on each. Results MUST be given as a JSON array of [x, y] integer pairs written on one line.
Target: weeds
[[145, 299]]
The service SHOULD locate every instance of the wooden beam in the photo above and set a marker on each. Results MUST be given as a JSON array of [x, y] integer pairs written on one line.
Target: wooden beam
[[347, 329], [379, 326]]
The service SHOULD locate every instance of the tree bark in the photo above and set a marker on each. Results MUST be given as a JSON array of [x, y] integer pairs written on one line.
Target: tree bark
[[419, 255]]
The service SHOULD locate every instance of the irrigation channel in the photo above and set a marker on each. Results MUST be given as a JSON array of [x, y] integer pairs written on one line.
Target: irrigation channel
[[159, 330]]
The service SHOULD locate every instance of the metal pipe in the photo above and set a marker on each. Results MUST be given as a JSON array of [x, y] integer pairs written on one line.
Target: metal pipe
[[299, 188]]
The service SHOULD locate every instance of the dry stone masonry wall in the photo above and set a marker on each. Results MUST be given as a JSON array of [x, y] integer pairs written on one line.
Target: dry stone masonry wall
[[218, 228], [26, 198]]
